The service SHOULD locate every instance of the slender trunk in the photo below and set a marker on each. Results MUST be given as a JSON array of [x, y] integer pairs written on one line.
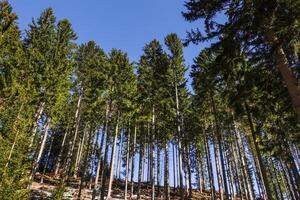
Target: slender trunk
[[284, 68], [59, 158], [79, 153], [152, 166], [15, 138], [209, 166], [94, 153], [73, 142], [127, 163], [119, 161], [237, 174], [99, 164], [174, 166], [103, 166], [111, 177], [42, 147], [244, 165], [180, 171], [218, 170], [140, 168], [158, 170], [219, 139], [133, 160], [258, 156], [47, 160], [286, 182], [189, 172], [85, 162], [289, 180], [274, 173], [37, 116], [166, 174]]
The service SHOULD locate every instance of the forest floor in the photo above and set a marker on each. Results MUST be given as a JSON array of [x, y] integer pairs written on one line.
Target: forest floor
[[50, 185]]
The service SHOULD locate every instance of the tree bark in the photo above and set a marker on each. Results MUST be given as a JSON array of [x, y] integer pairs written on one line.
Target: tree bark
[[166, 174], [47, 160], [37, 116], [284, 68], [140, 168], [127, 163], [85, 162], [59, 158], [111, 177], [133, 160], [258, 156], [41, 150]]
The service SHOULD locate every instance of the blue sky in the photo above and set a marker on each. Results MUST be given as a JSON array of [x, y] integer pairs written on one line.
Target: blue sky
[[126, 25]]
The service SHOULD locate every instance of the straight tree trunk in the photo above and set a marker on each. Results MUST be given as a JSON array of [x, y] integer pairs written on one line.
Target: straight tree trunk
[[36, 118], [218, 170], [158, 170], [119, 161], [209, 166], [152, 165], [140, 168], [237, 174], [85, 162], [41, 150], [219, 139], [189, 172], [166, 174], [79, 154], [99, 164], [127, 163], [14, 129], [59, 158], [174, 166], [47, 160], [284, 68], [133, 160], [258, 156], [246, 168], [111, 177], [73, 142]]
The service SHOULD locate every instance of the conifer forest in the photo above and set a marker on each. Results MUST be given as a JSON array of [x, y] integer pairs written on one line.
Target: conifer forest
[[77, 122]]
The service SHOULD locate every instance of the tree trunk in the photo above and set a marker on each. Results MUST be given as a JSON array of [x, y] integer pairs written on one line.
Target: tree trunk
[[85, 162], [15, 138], [218, 170], [37, 116], [73, 143], [246, 168], [174, 166], [79, 154], [189, 172], [152, 166], [127, 163], [140, 168], [284, 69], [219, 139], [166, 174], [209, 166], [133, 160], [42, 147], [104, 134], [47, 160], [111, 177], [158, 170], [59, 158], [119, 161], [258, 156]]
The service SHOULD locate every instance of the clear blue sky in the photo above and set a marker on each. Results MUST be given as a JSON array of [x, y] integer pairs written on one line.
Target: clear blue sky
[[126, 25]]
